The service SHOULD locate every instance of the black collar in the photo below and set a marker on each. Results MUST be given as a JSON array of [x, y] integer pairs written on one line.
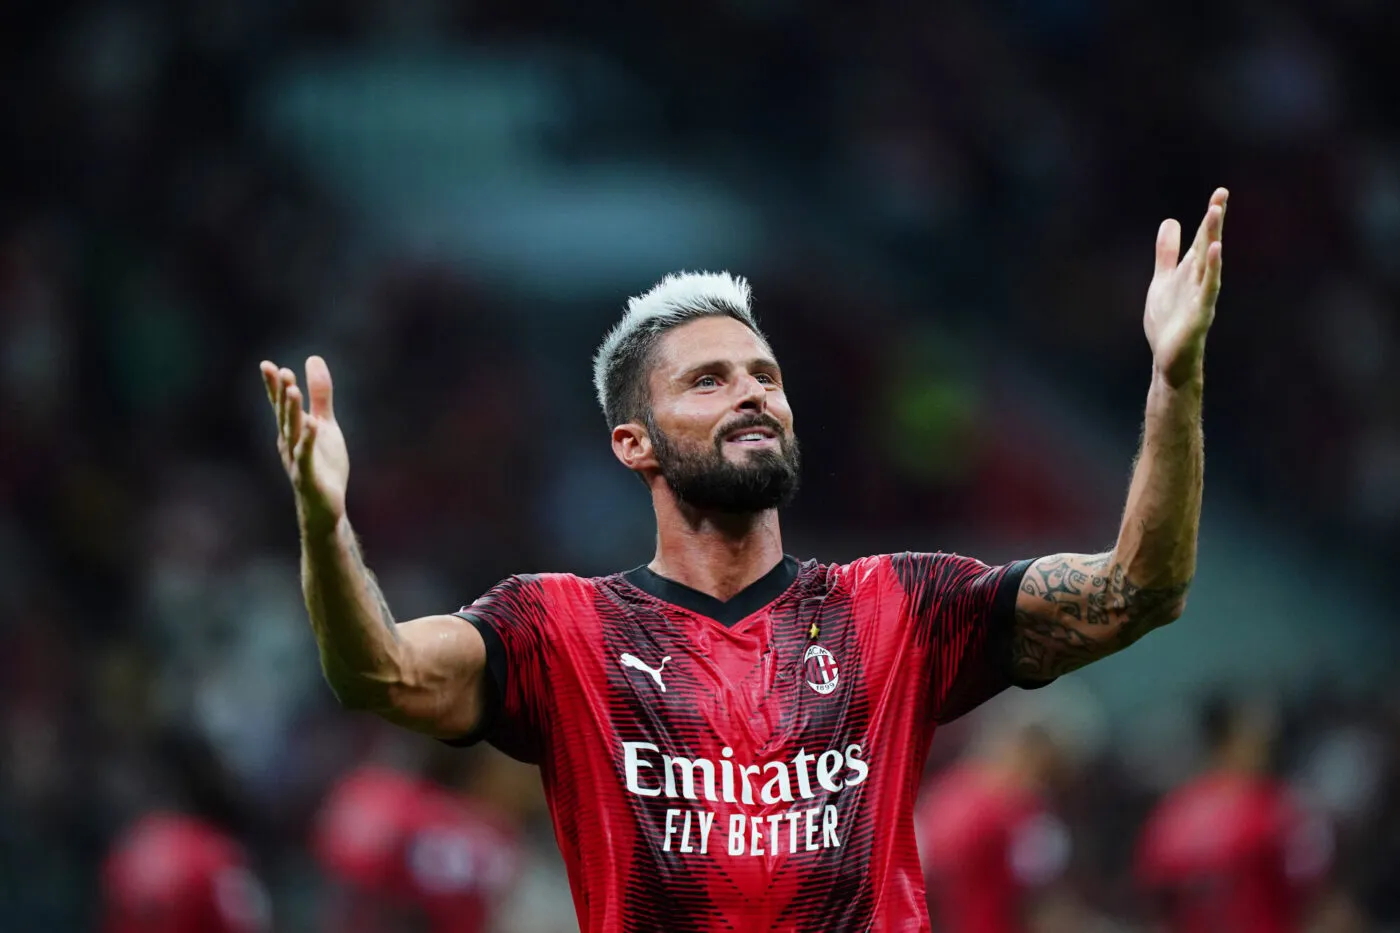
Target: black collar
[[741, 605]]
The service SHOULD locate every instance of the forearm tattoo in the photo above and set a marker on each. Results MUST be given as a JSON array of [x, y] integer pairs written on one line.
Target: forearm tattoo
[[1081, 609]]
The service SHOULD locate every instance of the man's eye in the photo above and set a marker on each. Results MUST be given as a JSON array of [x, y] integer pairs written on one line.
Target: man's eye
[[706, 382], [766, 379]]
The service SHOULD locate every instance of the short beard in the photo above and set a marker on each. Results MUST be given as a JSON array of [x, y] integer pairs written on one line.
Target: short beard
[[706, 480]]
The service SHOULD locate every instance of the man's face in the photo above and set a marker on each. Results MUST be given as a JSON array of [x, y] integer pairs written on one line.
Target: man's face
[[720, 424]]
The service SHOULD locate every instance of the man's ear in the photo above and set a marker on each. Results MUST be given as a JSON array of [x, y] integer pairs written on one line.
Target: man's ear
[[631, 444]]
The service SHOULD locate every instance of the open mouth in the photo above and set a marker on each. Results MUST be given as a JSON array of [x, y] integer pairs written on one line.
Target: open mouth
[[752, 437]]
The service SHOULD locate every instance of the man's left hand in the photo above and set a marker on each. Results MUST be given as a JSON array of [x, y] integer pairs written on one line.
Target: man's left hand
[[1181, 298]]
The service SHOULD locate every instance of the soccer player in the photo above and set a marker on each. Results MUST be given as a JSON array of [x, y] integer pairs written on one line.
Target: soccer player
[[405, 852], [1233, 849], [731, 738], [992, 846], [178, 868]]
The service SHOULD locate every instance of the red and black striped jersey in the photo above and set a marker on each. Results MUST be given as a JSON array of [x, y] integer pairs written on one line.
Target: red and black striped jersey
[[750, 764]]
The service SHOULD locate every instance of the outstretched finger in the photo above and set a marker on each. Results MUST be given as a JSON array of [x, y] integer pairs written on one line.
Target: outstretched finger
[[1214, 222], [307, 443], [318, 387], [269, 377], [1211, 222], [1217, 199], [295, 416], [285, 380], [1168, 246], [1215, 262]]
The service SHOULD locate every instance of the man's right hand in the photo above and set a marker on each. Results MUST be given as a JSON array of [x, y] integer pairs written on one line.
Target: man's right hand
[[426, 674], [311, 444]]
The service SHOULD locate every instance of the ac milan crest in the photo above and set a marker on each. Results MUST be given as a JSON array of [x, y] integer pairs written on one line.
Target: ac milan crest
[[820, 668]]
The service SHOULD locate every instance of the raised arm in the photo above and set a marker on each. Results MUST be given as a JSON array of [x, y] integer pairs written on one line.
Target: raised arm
[[427, 674], [1076, 608]]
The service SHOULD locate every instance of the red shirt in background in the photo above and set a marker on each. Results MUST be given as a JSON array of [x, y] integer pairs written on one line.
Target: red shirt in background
[[1234, 852], [177, 874], [407, 854], [986, 844]]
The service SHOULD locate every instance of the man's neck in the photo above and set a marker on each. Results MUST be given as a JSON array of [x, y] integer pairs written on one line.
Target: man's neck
[[719, 555]]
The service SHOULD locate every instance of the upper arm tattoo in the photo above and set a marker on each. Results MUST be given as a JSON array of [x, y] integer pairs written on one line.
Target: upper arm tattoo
[[1076, 608]]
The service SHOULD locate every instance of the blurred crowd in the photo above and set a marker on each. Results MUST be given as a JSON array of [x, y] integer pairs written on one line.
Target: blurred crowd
[[960, 204]]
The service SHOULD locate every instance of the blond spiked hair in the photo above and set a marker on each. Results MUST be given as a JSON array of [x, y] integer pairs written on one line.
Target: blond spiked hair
[[621, 365]]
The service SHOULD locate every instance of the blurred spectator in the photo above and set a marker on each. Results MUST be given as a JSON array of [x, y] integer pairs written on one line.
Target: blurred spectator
[[179, 867], [992, 846], [1234, 848], [410, 851]]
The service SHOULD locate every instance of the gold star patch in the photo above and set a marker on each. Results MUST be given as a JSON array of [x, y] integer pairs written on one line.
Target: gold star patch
[[812, 632]]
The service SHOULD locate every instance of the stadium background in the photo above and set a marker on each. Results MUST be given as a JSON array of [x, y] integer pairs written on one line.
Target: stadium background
[[947, 215]]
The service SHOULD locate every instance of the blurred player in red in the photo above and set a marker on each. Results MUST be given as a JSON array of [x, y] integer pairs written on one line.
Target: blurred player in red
[[990, 841], [1233, 849], [731, 738], [410, 852], [180, 869]]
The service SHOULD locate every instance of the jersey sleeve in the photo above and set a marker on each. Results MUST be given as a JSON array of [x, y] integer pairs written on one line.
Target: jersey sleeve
[[962, 611], [513, 619]]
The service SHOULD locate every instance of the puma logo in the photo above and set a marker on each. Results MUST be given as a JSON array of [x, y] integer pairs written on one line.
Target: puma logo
[[628, 660]]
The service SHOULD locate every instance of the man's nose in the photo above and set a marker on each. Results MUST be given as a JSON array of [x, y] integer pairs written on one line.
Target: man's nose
[[754, 395]]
